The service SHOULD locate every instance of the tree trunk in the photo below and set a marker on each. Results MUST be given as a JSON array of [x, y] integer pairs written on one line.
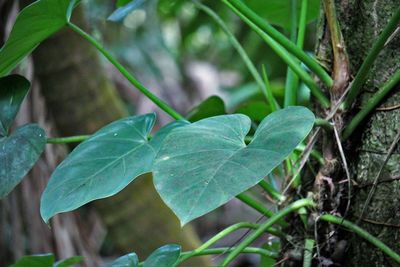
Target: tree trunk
[[361, 23]]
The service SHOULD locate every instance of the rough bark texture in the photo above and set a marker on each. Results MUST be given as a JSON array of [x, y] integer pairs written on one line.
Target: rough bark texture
[[361, 23]]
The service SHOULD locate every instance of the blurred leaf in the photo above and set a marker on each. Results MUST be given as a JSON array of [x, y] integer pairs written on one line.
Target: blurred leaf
[[212, 106], [303, 95], [121, 3], [129, 260], [256, 110], [250, 91], [207, 163], [125, 8], [104, 164], [69, 262], [45, 260], [165, 256], [13, 90], [34, 24], [18, 153], [274, 246], [278, 11]]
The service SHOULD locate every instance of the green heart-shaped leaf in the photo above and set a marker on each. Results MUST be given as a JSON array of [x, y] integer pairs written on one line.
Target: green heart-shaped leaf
[[129, 260], [34, 24], [104, 164], [68, 262], [205, 164], [13, 90], [18, 154], [165, 256]]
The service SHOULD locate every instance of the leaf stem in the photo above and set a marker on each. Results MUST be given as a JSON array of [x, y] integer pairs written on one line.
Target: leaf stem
[[265, 226], [253, 250], [292, 81], [326, 125], [217, 237], [243, 11], [66, 140], [235, 43], [371, 104], [273, 104], [285, 56], [290, 98], [256, 205], [362, 233], [366, 66], [271, 191], [160, 103], [308, 251]]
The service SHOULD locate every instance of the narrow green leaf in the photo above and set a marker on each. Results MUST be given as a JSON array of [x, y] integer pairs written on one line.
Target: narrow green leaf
[[165, 256], [124, 9], [104, 164], [18, 154], [68, 262], [212, 106], [13, 90], [278, 11], [207, 163], [129, 260], [34, 24], [45, 260]]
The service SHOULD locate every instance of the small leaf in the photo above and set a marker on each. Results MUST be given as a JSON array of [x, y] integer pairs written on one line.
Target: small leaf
[[45, 260], [212, 106], [124, 10], [34, 24], [69, 262], [255, 110], [18, 153], [165, 256], [13, 90], [104, 164], [129, 260], [203, 165]]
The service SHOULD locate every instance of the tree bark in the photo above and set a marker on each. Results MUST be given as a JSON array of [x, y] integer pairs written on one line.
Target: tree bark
[[361, 23]]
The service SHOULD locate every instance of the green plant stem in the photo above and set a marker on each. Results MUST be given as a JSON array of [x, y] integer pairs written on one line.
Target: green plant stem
[[314, 153], [66, 140], [362, 233], [366, 66], [254, 204], [273, 104], [271, 190], [265, 226], [292, 81], [252, 250], [243, 11], [285, 56], [324, 124], [266, 90], [160, 103], [290, 98], [213, 251], [371, 104], [308, 251], [217, 237]]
